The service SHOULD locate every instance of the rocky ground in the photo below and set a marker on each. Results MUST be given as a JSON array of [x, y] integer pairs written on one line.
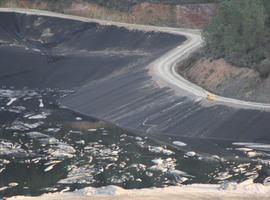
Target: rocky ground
[[227, 80]]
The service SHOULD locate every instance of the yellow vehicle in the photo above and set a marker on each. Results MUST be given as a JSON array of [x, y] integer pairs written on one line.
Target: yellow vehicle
[[211, 97]]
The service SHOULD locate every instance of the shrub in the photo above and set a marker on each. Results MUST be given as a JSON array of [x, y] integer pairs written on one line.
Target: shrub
[[238, 32]]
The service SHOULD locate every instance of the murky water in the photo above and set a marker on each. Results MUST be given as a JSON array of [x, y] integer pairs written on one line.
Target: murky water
[[45, 148]]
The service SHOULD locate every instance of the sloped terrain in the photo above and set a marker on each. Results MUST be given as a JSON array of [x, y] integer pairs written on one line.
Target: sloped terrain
[[178, 13], [222, 78], [107, 66], [52, 52]]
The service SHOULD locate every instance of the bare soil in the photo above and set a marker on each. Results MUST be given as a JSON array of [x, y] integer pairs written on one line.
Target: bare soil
[[224, 79]]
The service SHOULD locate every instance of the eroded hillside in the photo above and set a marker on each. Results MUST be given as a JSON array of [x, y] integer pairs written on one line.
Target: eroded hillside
[[180, 13]]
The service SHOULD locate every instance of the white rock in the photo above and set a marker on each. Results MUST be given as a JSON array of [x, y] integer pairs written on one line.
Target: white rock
[[11, 101], [41, 105], [191, 154], [180, 144]]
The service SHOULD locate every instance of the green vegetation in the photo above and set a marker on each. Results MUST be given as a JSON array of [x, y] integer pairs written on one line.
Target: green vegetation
[[266, 4], [2, 2], [127, 4], [239, 33]]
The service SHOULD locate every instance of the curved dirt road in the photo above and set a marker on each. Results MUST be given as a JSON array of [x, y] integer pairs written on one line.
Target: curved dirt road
[[166, 69]]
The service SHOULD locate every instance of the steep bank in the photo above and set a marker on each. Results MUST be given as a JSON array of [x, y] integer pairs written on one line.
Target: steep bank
[[242, 40], [224, 79], [61, 53], [164, 14]]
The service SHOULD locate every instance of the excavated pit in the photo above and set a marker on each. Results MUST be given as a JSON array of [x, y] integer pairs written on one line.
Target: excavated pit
[[101, 71], [106, 66]]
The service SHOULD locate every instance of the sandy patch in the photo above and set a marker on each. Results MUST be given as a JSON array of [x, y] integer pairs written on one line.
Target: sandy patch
[[243, 191]]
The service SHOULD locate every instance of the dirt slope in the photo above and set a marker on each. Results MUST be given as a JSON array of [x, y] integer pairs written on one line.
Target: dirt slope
[[227, 80], [187, 15]]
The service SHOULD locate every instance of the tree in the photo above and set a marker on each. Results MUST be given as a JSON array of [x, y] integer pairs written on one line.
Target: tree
[[266, 4], [237, 33]]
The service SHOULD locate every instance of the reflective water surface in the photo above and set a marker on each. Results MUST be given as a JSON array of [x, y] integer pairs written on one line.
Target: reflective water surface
[[46, 148]]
